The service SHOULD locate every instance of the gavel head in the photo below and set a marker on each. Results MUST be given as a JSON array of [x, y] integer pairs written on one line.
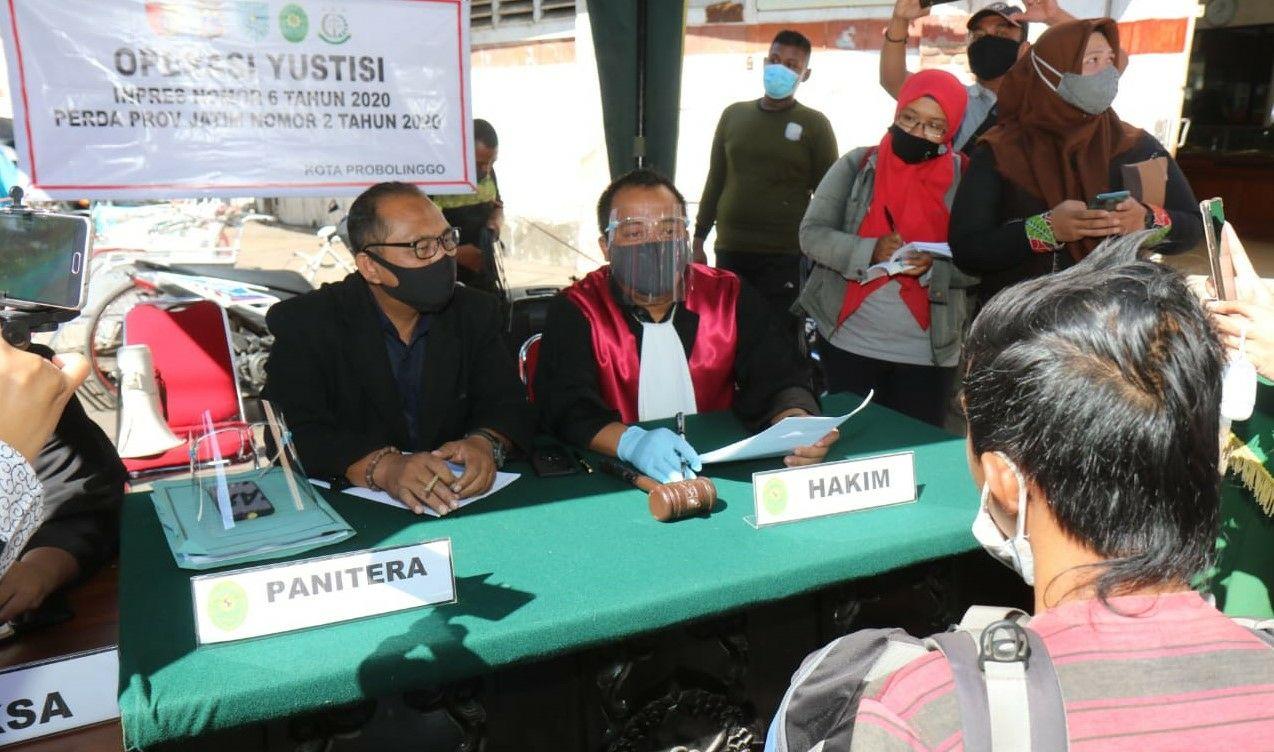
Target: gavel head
[[684, 498]]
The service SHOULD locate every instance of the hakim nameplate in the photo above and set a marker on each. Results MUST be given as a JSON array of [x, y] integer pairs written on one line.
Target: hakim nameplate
[[800, 493]]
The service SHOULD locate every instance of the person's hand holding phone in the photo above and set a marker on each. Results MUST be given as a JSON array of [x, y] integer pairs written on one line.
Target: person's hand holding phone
[[33, 392], [1248, 321], [1047, 12], [1073, 220], [1131, 215], [910, 10]]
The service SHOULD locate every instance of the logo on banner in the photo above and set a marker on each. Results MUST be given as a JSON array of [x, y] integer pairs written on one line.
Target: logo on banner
[[254, 19], [227, 605], [293, 23], [187, 18], [334, 28]]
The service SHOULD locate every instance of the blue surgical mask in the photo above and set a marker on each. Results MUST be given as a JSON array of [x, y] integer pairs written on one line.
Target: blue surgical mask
[[1093, 94], [780, 81]]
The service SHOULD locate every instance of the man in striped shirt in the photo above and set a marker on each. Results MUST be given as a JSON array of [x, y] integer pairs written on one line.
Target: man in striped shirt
[[1093, 405]]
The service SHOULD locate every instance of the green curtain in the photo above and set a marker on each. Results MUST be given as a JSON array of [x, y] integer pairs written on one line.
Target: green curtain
[[614, 24]]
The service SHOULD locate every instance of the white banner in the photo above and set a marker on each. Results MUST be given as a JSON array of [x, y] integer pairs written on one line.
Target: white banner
[[293, 595], [131, 98], [58, 695]]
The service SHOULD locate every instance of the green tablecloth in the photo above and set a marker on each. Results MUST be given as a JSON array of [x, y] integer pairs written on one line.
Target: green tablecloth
[[545, 566]]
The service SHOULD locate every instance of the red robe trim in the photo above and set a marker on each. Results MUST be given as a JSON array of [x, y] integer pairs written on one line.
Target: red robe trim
[[712, 295]]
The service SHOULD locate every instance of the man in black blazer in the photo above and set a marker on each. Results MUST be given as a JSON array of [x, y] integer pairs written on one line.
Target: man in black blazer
[[395, 371]]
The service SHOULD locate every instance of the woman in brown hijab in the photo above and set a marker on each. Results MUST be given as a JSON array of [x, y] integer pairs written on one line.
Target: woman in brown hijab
[[1023, 208]]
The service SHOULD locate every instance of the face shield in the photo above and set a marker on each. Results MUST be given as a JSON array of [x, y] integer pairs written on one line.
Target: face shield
[[649, 257]]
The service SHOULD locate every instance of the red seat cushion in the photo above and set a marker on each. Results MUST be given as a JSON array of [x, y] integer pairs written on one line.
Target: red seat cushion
[[191, 352]]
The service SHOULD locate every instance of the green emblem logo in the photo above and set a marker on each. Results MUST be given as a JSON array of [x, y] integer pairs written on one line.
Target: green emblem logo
[[293, 22], [334, 29], [227, 606], [774, 496]]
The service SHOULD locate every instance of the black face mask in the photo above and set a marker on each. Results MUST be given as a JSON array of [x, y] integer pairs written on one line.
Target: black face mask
[[913, 149], [428, 289], [991, 57], [650, 270]]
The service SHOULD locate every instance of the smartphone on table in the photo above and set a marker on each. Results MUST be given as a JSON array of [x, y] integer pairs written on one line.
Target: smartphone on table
[[247, 500], [1220, 264], [552, 462]]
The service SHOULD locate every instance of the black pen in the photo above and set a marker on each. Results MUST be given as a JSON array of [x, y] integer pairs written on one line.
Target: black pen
[[582, 462], [681, 431], [893, 227]]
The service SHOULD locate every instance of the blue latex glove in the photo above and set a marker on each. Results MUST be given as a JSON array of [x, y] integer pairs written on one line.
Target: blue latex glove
[[658, 453]]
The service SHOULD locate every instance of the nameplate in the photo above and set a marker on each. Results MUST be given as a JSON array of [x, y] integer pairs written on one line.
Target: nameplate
[[292, 595], [799, 493], [58, 695]]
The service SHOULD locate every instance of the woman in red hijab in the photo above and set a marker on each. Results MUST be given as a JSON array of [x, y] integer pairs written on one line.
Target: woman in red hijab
[[896, 333]]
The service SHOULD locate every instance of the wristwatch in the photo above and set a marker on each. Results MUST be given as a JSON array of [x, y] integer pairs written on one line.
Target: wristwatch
[[497, 447]]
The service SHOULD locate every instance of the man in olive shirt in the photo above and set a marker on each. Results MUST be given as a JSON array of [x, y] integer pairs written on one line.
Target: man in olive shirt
[[768, 156]]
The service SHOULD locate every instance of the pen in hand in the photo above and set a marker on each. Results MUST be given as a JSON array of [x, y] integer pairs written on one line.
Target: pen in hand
[[681, 431]]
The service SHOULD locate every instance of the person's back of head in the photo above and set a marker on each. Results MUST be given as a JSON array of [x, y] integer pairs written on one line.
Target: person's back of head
[[1102, 385]]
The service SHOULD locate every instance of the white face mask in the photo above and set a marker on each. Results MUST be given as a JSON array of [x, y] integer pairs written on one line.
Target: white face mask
[[1238, 384], [1015, 553]]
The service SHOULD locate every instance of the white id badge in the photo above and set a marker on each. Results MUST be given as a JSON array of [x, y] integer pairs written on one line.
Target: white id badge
[[793, 132]]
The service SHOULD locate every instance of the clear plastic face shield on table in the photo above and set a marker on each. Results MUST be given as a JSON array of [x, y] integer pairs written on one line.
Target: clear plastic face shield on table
[[275, 475], [649, 257]]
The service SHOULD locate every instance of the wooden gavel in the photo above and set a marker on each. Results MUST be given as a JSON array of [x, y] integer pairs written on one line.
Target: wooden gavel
[[668, 501]]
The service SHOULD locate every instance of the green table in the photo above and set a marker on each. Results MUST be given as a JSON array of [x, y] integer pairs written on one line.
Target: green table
[[544, 567]]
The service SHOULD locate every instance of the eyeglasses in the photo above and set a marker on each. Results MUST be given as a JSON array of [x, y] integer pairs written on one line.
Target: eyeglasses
[[631, 231], [931, 129], [427, 249]]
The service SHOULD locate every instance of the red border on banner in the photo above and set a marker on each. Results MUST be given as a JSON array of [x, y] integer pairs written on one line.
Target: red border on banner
[[22, 79], [464, 136]]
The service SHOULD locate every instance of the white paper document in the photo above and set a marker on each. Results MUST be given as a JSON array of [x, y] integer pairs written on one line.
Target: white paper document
[[781, 438], [897, 263], [502, 479]]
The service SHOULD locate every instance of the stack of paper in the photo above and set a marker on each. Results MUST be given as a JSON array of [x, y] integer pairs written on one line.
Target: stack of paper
[[897, 263], [200, 540], [781, 438], [501, 480]]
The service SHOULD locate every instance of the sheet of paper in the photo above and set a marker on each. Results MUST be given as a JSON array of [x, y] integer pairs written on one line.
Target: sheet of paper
[[502, 480], [897, 263], [781, 438]]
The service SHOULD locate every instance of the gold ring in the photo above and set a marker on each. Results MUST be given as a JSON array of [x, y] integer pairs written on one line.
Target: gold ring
[[429, 487]]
